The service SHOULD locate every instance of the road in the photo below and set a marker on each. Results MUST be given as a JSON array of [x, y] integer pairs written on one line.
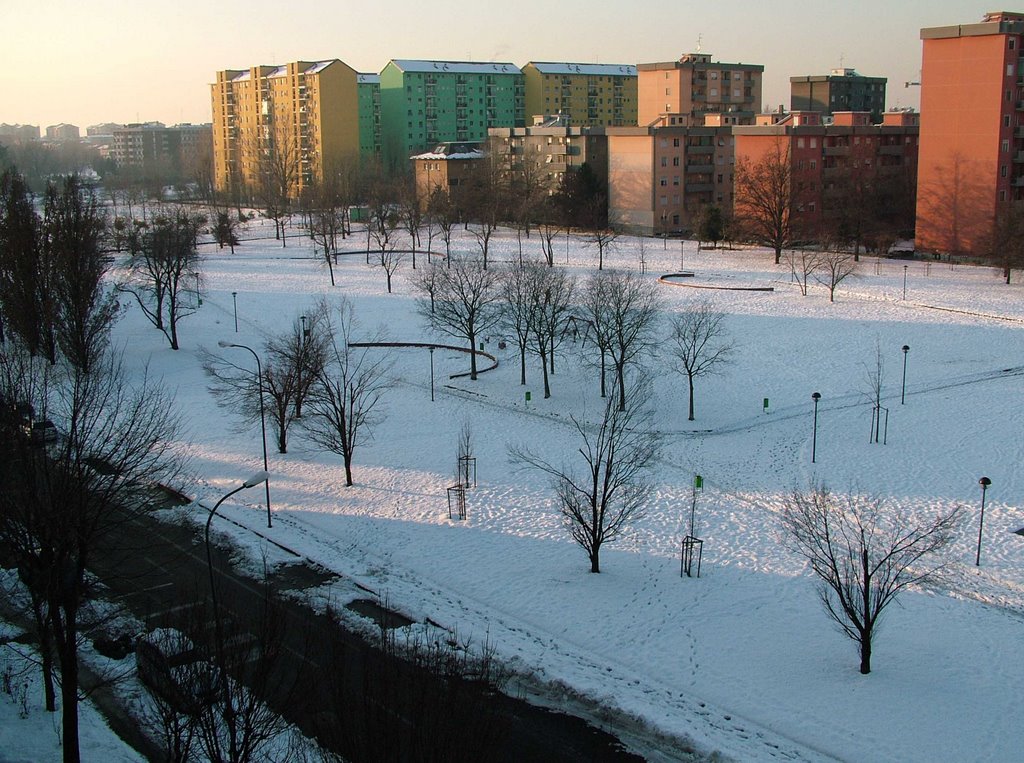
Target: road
[[330, 682]]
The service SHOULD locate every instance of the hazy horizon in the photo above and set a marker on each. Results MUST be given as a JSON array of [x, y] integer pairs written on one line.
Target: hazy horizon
[[118, 61]]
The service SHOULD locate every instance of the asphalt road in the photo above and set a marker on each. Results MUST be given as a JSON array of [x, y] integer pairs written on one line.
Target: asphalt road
[[330, 682]]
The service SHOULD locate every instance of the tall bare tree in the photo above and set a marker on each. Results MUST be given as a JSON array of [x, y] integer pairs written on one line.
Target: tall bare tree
[[278, 157], [465, 303], [864, 552], [624, 309], [59, 502], [834, 268], [699, 342], [803, 264], [764, 204], [1008, 238], [345, 399], [609, 489], [326, 220], [26, 275], [551, 298], [518, 310]]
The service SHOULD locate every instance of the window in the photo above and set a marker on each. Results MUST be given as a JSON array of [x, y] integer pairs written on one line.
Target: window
[[1005, 146], [1002, 195], [663, 182], [719, 177], [814, 142], [1012, 43], [664, 161], [814, 164], [799, 142], [1002, 171], [1006, 120], [664, 201], [675, 180], [714, 92], [675, 161]]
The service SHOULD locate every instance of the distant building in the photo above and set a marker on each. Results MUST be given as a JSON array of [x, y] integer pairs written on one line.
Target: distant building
[[661, 177], [425, 103], [369, 116], [826, 158], [152, 145], [450, 167], [18, 133], [303, 116], [971, 163], [62, 132], [584, 94], [840, 90], [681, 92], [546, 153]]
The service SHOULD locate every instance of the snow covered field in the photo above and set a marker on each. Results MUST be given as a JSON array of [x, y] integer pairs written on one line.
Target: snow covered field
[[743, 660]]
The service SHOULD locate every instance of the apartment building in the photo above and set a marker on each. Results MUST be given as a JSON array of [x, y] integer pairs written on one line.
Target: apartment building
[[152, 145], [424, 103], [62, 131], [660, 177], [682, 91], [369, 116], [582, 94], [971, 162], [840, 90], [829, 163], [547, 153], [295, 120], [18, 133]]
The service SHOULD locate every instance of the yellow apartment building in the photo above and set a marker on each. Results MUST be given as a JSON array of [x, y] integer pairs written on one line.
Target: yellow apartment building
[[592, 95], [290, 122]]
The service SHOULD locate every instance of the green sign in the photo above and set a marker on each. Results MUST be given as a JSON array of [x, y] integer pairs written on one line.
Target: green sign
[[766, 405], [698, 482], [527, 395]]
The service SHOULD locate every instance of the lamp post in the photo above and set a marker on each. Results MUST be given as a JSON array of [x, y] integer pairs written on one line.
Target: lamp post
[[199, 298], [234, 301], [903, 393], [263, 418], [984, 482], [305, 331], [431, 374], [218, 629], [815, 396], [905, 282]]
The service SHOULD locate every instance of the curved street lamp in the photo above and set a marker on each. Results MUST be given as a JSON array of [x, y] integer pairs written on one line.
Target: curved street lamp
[[984, 482], [263, 418]]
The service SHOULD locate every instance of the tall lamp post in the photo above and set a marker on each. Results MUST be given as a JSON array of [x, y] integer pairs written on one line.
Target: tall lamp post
[[984, 482], [815, 396], [218, 630], [905, 282], [431, 374], [263, 418], [903, 393]]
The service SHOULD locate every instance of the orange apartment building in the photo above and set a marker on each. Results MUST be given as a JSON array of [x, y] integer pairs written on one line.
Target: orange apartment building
[[826, 159], [972, 133], [695, 85]]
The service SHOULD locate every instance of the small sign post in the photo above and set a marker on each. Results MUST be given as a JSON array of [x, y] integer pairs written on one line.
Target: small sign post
[[765, 405]]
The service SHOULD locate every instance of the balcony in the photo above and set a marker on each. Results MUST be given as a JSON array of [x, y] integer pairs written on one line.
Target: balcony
[[896, 150], [837, 150], [700, 187], [1018, 157], [1018, 182], [708, 149], [703, 169]]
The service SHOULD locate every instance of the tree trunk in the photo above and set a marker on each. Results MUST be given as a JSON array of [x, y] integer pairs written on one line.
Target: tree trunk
[[595, 562], [522, 364], [544, 365], [691, 397], [865, 653], [348, 471], [778, 255], [472, 357]]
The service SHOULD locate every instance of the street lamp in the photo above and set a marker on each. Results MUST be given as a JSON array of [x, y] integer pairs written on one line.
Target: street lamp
[[251, 482], [234, 301], [199, 297], [305, 331], [815, 396], [431, 374], [905, 282], [984, 482], [903, 394], [263, 419]]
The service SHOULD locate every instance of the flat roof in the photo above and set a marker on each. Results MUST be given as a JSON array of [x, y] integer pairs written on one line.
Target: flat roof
[[614, 70], [453, 67]]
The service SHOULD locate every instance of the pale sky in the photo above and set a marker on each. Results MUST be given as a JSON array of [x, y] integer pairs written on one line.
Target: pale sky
[[137, 60]]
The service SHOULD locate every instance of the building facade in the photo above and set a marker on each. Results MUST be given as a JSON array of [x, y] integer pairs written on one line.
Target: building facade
[[582, 94], [684, 91], [292, 121], [62, 131], [546, 154], [840, 90], [425, 103], [18, 133], [151, 145], [840, 170], [369, 117], [972, 132], [451, 167]]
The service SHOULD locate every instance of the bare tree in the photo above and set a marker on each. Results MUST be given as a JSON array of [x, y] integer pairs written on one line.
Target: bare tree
[[277, 157], [519, 308], [490, 198], [345, 399], [624, 309], [599, 499], [604, 239], [59, 502], [550, 300], [326, 221], [803, 263], [85, 308], [764, 198], [834, 268], [465, 303], [864, 552], [445, 215], [1008, 238], [410, 212], [161, 271], [700, 343], [874, 374]]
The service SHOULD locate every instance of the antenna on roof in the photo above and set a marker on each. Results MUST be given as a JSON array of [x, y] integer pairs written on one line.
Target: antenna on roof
[[700, 39]]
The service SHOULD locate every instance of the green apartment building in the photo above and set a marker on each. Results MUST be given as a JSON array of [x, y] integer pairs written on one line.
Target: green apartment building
[[424, 103], [368, 87], [582, 94]]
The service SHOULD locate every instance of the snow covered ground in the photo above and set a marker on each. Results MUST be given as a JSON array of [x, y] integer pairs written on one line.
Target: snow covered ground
[[743, 660]]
